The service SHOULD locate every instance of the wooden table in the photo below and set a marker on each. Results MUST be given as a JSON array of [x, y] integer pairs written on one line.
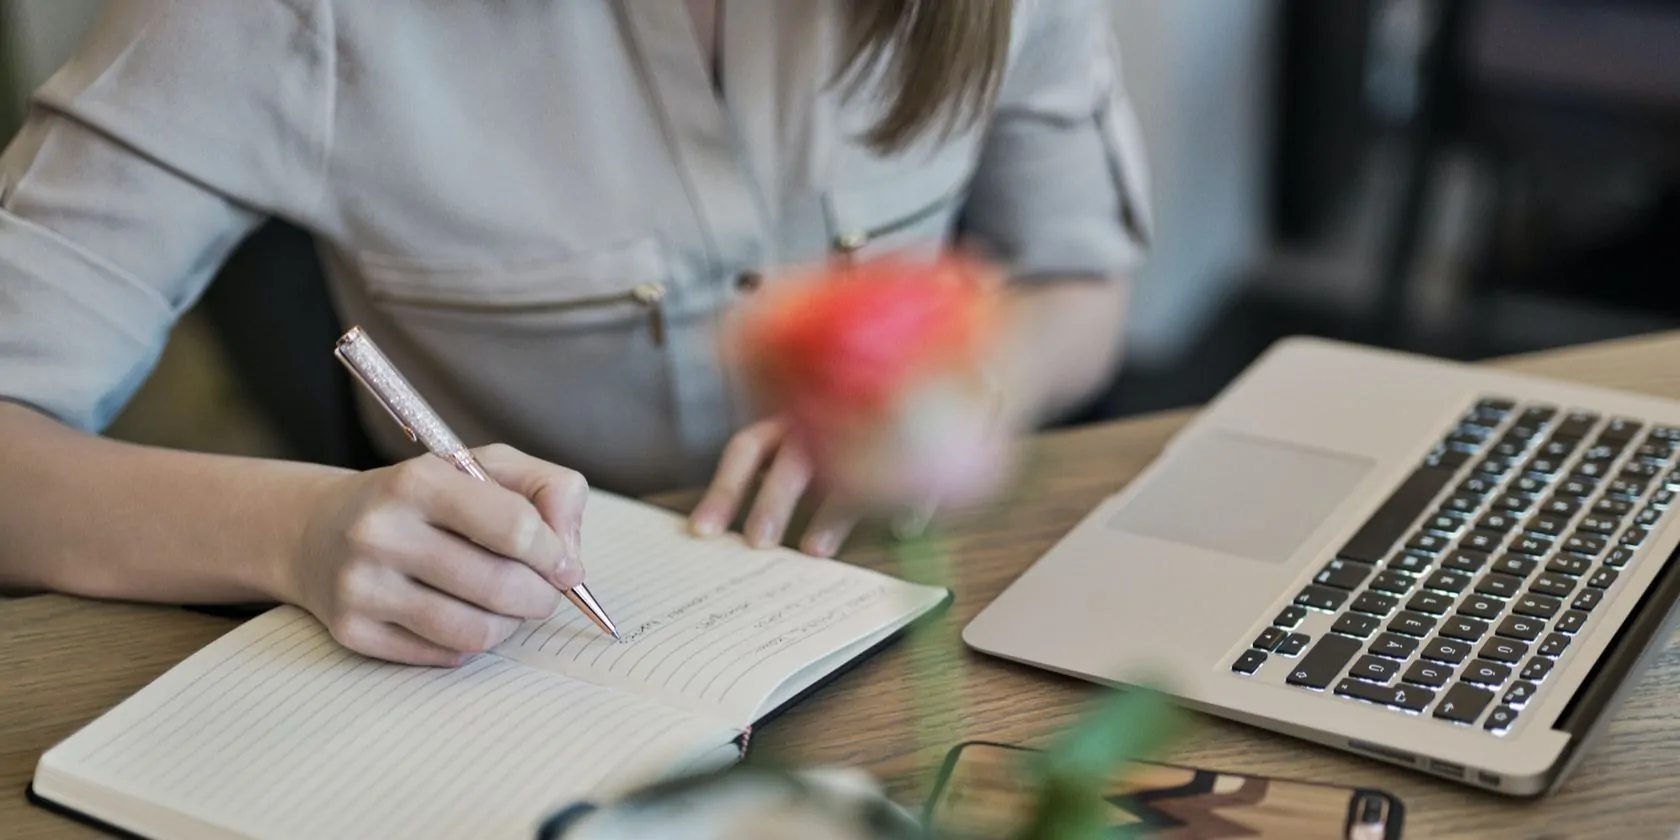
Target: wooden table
[[65, 661]]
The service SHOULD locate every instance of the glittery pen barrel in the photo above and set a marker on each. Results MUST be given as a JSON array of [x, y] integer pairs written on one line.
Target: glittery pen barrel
[[392, 390]]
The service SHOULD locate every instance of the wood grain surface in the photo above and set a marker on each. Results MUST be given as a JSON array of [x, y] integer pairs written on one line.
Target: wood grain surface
[[64, 661]]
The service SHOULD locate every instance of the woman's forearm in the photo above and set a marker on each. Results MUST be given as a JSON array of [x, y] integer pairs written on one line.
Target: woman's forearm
[[100, 518], [1064, 347]]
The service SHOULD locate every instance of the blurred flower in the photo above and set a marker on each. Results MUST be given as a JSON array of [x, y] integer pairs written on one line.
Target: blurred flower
[[881, 369]]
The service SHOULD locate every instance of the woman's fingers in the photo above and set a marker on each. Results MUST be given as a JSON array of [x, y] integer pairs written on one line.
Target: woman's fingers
[[744, 457], [443, 620], [501, 520], [778, 496], [392, 643], [488, 581], [829, 527]]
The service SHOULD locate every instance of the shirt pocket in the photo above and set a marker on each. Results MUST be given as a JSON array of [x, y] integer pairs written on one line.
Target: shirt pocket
[[913, 210], [616, 289]]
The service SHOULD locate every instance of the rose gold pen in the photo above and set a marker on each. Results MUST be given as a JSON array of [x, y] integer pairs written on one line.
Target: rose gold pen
[[417, 419]]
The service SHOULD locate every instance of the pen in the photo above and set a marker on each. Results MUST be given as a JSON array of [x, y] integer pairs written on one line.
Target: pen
[[405, 405]]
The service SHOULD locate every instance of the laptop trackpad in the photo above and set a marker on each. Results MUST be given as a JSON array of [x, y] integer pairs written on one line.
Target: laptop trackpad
[[1247, 497]]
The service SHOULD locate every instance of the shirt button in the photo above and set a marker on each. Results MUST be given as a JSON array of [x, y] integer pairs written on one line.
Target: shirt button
[[749, 281]]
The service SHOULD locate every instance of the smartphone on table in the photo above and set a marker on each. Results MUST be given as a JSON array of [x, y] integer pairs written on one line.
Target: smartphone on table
[[984, 791]]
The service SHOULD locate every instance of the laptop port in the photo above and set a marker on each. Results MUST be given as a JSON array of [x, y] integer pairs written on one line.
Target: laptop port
[[1446, 768], [1385, 752], [1487, 778]]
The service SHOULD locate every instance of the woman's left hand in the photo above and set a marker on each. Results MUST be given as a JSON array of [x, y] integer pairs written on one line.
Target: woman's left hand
[[766, 448]]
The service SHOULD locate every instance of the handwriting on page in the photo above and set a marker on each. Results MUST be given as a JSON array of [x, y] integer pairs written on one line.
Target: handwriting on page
[[293, 736]]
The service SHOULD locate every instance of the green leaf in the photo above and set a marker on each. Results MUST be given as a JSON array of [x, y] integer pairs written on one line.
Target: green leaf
[[1073, 774]]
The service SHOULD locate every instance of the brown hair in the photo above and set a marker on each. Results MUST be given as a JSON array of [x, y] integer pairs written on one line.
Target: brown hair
[[946, 60]]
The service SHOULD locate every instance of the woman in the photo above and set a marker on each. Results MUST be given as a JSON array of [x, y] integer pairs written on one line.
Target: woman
[[540, 210]]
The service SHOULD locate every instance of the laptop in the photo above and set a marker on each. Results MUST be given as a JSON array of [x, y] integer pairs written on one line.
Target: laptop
[[1445, 567]]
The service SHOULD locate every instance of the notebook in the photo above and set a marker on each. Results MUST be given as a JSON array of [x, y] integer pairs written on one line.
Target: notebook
[[276, 731]]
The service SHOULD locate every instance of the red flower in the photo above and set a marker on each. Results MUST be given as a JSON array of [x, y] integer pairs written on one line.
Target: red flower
[[872, 363]]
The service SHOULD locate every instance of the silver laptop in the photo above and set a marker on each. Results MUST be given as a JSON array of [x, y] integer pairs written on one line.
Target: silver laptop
[[1447, 567]]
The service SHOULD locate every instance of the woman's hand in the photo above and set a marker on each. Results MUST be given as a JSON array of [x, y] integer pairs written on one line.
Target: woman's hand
[[766, 448], [422, 564]]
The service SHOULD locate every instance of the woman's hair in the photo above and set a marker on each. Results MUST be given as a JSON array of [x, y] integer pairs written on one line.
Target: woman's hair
[[945, 60]]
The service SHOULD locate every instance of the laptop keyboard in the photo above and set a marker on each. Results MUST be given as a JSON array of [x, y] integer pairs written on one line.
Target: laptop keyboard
[[1464, 590]]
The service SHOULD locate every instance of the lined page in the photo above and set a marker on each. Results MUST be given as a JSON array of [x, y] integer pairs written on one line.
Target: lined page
[[712, 626], [277, 731]]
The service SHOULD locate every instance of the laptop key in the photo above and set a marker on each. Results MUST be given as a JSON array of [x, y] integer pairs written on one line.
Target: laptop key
[[1375, 603], [1412, 624], [1293, 644], [1324, 662], [1409, 697], [1465, 561], [1449, 651], [1494, 465], [1375, 669], [1477, 485], [1393, 582], [1667, 433], [1587, 598], [1631, 488], [1356, 625], [1514, 503], [1509, 651], [1620, 429], [1269, 638], [1463, 703], [1554, 645], [1497, 522], [1521, 627], [1662, 499], [1634, 536], [1426, 674], [1530, 484], [1409, 563], [1519, 693], [1394, 646], [1480, 540], [1556, 585], [1389, 523], [1560, 446], [1601, 579], [1490, 674], [1537, 669], [1515, 564], [1596, 524], [1453, 582], [1428, 541], [1531, 545], [1446, 522], [1463, 503], [1321, 598], [1289, 618], [1464, 628], [1648, 516], [1573, 565], [1611, 507], [1249, 662], [1544, 464], [1548, 526], [1537, 415], [1500, 719], [1482, 607], [1559, 505], [1642, 470], [1537, 606], [1430, 603], [1577, 486], [1589, 544], [1577, 424], [1618, 557], [1655, 451], [1499, 585], [1571, 622], [1343, 574]]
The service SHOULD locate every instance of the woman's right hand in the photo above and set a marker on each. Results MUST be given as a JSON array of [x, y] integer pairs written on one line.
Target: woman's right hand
[[422, 564]]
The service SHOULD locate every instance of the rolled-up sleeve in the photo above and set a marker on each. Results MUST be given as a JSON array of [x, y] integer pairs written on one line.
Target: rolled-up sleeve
[[1061, 188], [143, 164]]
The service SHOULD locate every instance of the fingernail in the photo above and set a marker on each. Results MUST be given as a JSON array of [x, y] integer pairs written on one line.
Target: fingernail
[[569, 571], [763, 534], [704, 525], [823, 544]]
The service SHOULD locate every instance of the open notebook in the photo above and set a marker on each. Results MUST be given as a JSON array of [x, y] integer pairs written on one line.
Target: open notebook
[[275, 731]]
